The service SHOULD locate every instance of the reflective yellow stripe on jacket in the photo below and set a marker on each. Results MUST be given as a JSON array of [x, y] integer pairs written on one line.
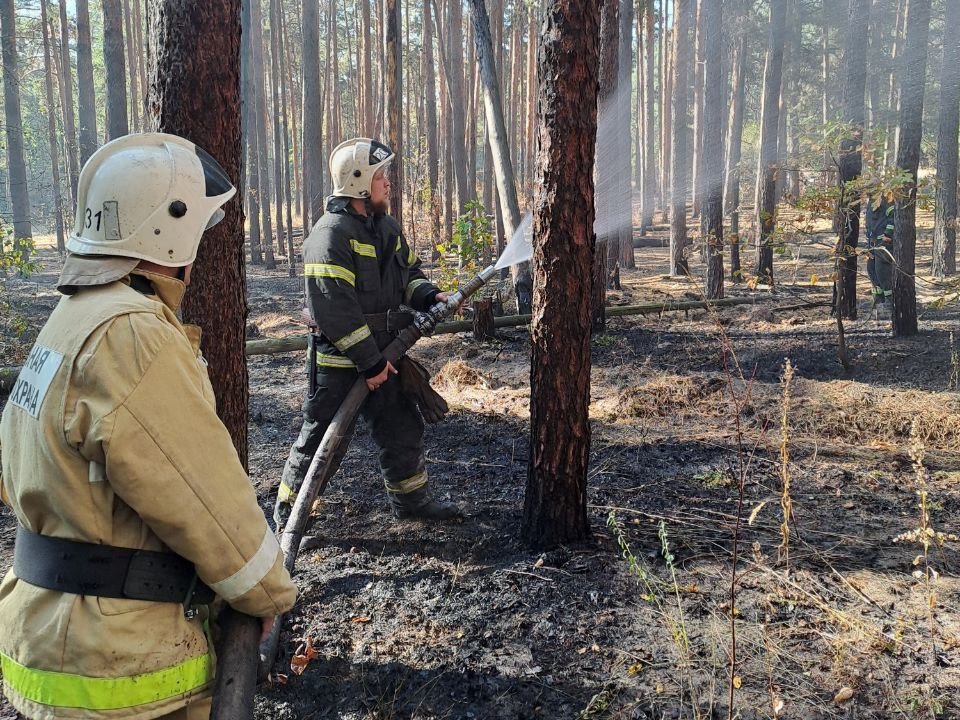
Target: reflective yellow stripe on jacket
[[411, 288], [348, 341], [363, 248], [93, 693], [329, 271]]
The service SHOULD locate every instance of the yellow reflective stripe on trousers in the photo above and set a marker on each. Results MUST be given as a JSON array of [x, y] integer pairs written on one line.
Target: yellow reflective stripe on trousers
[[329, 271], [409, 485], [285, 494], [60, 689], [411, 288], [348, 341], [363, 249]]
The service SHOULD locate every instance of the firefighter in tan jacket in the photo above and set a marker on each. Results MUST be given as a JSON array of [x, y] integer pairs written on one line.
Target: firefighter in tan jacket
[[134, 511]]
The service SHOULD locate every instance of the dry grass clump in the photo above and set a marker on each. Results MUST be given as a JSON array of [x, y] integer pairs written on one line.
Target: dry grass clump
[[842, 411], [274, 325], [856, 413], [457, 374], [664, 395]]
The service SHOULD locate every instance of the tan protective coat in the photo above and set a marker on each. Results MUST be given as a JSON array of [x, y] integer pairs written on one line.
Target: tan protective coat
[[126, 450]]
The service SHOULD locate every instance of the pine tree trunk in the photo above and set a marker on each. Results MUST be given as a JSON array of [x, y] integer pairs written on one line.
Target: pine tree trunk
[[917, 33], [284, 120], [87, 102], [651, 189], [279, 156], [66, 100], [312, 117], [394, 73], [679, 169], [851, 160], [141, 56], [825, 83], [52, 128], [735, 143], [452, 61], [770, 123], [497, 133], [366, 70], [292, 96], [251, 165], [945, 225], [195, 47], [700, 43], [711, 227], [16, 163], [555, 505], [606, 177], [666, 111], [133, 112], [893, 90], [115, 64], [259, 125], [433, 157], [625, 85]]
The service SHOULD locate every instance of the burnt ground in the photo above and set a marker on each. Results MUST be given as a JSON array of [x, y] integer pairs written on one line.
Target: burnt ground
[[461, 621]]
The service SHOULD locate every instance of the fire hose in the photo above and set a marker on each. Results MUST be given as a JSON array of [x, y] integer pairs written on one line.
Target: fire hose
[[236, 681]]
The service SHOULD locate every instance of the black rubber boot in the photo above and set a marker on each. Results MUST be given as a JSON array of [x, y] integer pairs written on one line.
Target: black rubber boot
[[417, 505]]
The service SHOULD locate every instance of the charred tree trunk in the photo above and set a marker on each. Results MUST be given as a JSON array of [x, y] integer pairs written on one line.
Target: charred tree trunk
[[908, 161], [555, 505], [711, 223], [770, 123], [312, 117], [851, 161], [195, 47], [394, 73], [52, 127], [285, 141], [680, 172], [115, 64], [87, 102], [945, 226], [735, 143], [16, 163]]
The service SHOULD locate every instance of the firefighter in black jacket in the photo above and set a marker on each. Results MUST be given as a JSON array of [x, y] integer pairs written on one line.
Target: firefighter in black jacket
[[879, 217], [359, 270]]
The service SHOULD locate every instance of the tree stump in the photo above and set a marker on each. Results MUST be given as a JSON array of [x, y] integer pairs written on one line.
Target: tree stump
[[483, 326]]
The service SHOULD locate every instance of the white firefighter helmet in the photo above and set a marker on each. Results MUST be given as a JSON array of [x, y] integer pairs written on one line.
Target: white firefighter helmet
[[354, 163], [148, 196]]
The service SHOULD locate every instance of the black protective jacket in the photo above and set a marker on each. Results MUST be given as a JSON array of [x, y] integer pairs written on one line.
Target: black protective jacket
[[357, 267]]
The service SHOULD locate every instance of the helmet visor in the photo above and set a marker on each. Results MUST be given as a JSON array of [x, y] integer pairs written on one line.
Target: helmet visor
[[215, 176]]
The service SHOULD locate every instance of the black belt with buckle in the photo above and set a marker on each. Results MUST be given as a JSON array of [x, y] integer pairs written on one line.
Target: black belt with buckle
[[107, 571]]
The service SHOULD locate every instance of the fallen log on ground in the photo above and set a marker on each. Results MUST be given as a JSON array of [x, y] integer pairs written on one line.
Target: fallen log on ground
[[297, 343]]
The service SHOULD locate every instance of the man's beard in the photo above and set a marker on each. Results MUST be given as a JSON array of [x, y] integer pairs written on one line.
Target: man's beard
[[380, 208]]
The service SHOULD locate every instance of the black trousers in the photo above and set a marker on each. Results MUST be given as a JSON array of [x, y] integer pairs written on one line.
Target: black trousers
[[394, 422]]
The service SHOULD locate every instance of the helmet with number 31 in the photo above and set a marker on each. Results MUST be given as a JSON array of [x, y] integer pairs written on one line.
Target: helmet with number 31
[[148, 196]]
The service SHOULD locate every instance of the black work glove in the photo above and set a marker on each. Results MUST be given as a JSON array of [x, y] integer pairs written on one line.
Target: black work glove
[[415, 384]]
